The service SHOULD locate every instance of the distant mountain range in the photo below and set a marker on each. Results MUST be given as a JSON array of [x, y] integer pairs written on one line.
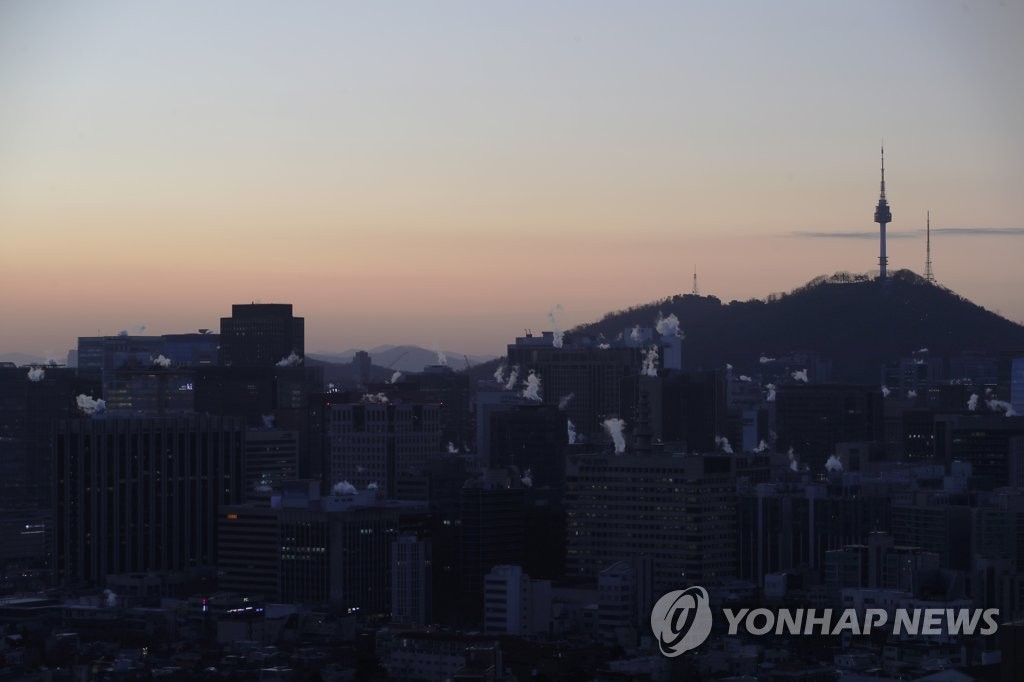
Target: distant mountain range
[[406, 358], [26, 359], [853, 320]]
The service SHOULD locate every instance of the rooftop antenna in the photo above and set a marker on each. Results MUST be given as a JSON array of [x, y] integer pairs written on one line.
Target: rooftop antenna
[[696, 289], [929, 275]]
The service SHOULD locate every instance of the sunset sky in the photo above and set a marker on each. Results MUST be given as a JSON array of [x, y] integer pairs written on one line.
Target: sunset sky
[[443, 173]]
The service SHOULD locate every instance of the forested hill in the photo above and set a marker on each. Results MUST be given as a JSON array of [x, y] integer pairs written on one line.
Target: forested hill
[[853, 320]]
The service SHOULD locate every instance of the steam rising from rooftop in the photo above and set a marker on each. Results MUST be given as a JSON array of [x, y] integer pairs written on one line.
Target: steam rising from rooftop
[[614, 427], [89, 405], [532, 390], [556, 328], [293, 360]]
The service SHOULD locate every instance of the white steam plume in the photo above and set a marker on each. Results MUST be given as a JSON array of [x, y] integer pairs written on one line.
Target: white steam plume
[[635, 334], [373, 486], [614, 427], [375, 398], [268, 421], [604, 346], [343, 488], [89, 405], [764, 359], [650, 364], [972, 402], [293, 360], [513, 379], [532, 390], [572, 432], [793, 466], [885, 391], [395, 377], [761, 447], [800, 375], [110, 599], [669, 326], [499, 374], [1002, 405], [744, 377], [452, 450], [442, 358], [161, 361], [771, 393], [527, 478], [36, 374], [564, 401], [911, 393], [556, 328], [833, 464], [723, 442]]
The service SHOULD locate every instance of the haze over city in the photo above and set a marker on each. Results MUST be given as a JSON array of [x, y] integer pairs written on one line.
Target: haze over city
[[444, 174]]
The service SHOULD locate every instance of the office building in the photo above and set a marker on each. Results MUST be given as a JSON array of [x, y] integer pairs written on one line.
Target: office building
[[677, 510], [261, 335], [379, 442], [135, 495]]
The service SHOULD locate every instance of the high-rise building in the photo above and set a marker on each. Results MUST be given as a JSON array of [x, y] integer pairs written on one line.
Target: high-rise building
[[678, 510], [411, 580], [532, 437], [249, 551], [813, 418], [378, 442], [271, 458], [142, 494], [32, 400], [261, 335], [589, 378]]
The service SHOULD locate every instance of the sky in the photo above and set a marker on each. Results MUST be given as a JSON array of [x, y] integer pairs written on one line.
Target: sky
[[445, 173]]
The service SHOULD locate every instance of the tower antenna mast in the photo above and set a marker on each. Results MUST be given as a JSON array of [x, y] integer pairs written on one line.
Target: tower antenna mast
[[929, 275]]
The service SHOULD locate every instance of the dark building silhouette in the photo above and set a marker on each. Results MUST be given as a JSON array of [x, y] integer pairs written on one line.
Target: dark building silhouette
[[289, 397], [492, 532], [679, 510], [271, 459], [135, 495], [593, 376], [151, 392], [316, 550], [261, 335], [813, 418], [531, 437], [32, 400], [983, 440], [378, 442]]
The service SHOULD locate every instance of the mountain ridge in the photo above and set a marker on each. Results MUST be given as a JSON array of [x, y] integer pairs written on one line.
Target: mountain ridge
[[854, 320]]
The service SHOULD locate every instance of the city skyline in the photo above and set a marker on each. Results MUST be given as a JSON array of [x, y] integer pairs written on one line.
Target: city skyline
[[445, 176]]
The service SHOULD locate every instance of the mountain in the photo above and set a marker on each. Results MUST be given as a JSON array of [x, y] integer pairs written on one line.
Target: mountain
[[406, 358], [853, 320], [23, 359]]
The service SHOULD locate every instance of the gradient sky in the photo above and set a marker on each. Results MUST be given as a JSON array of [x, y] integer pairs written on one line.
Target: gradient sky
[[444, 173]]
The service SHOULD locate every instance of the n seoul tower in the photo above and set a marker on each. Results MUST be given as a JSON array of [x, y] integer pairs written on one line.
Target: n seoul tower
[[883, 216]]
